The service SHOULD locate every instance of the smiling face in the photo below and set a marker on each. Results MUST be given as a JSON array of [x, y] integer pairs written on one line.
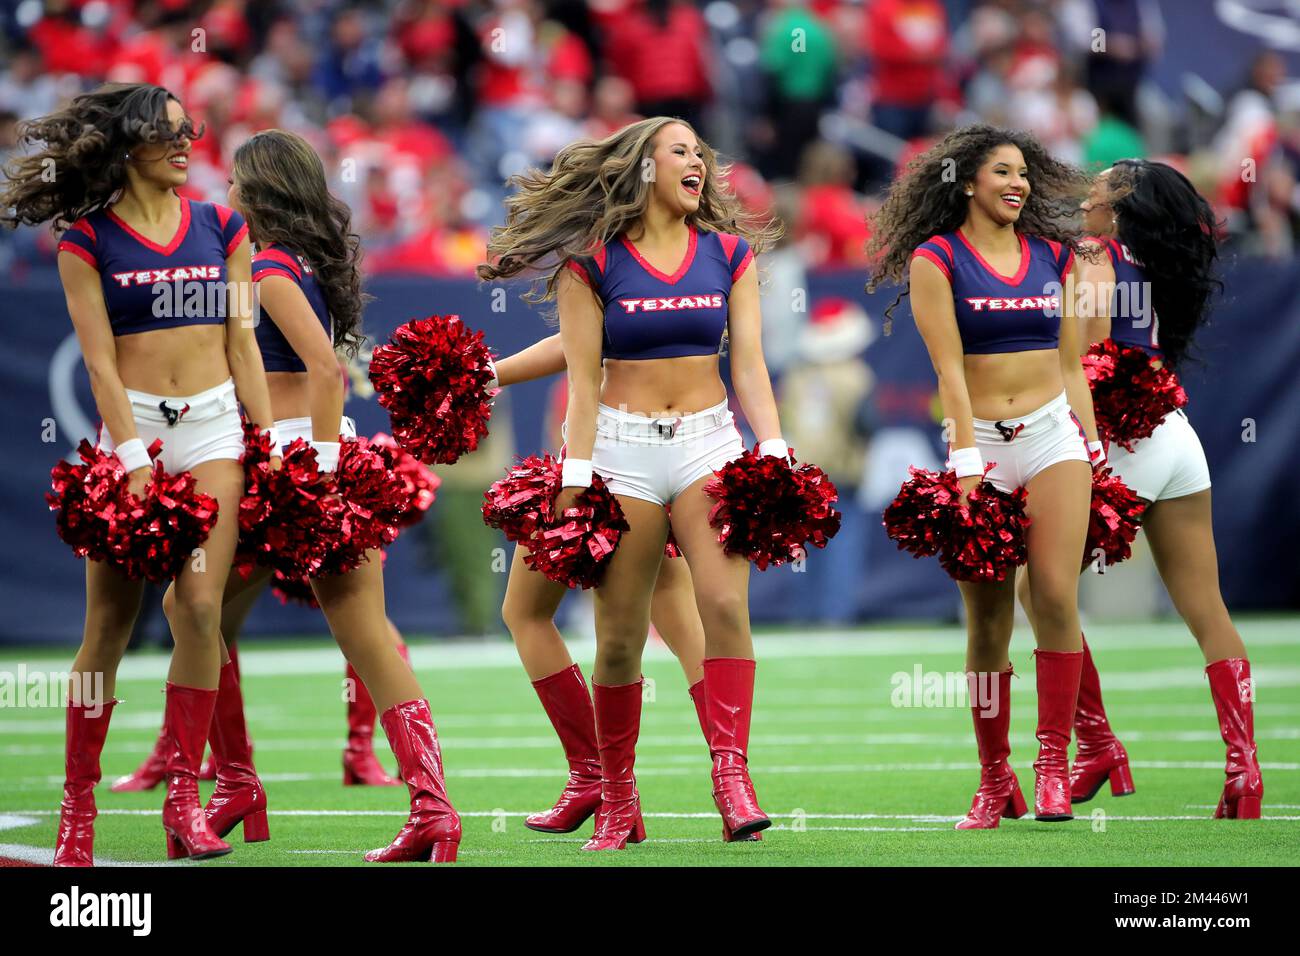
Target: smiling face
[[679, 170], [166, 165], [1098, 214], [1001, 185]]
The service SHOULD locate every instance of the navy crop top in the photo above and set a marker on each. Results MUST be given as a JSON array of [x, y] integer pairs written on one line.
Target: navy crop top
[[279, 260], [131, 268], [651, 315], [1133, 319], [997, 313]]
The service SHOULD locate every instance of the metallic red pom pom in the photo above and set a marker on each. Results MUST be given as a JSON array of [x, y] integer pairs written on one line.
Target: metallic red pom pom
[[421, 484], [1114, 519], [293, 590], [766, 510], [983, 540], [519, 503], [574, 548], [432, 377], [150, 537], [1131, 395]]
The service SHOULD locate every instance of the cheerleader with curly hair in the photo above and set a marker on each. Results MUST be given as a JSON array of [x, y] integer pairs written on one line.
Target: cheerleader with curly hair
[[978, 226], [649, 265], [1152, 283], [158, 371]]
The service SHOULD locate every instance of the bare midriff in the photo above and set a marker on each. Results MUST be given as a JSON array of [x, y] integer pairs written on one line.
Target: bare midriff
[[180, 361], [1005, 385], [656, 388]]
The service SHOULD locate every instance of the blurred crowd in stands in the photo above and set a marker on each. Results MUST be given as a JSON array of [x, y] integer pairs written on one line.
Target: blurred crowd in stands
[[423, 108]]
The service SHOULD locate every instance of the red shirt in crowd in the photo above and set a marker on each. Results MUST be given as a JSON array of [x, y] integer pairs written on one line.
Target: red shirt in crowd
[[908, 42], [662, 62]]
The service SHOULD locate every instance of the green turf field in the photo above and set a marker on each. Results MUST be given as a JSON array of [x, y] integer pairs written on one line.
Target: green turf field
[[847, 777]]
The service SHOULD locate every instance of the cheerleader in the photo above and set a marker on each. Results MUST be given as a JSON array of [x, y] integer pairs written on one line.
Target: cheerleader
[[529, 613], [642, 226], [978, 226], [159, 369], [1155, 232], [309, 292]]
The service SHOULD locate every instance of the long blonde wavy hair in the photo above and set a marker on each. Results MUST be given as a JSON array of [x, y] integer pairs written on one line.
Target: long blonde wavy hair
[[593, 192]]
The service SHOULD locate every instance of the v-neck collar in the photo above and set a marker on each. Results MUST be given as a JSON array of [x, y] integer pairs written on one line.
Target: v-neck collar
[[681, 269], [181, 229], [1010, 280]]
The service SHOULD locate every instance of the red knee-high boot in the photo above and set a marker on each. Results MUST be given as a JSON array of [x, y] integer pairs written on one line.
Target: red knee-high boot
[[188, 717], [86, 730], [208, 771], [360, 765], [999, 793], [1099, 755], [567, 703], [728, 707], [1230, 686], [701, 713], [432, 831], [618, 725], [1058, 695], [239, 794]]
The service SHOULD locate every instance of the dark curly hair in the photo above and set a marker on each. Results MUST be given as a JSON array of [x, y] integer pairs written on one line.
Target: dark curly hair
[[286, 200], [930, 199], [1171, 231], [80, 164]]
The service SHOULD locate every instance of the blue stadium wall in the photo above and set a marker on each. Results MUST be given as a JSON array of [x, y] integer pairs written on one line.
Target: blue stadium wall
[[1252, 355]]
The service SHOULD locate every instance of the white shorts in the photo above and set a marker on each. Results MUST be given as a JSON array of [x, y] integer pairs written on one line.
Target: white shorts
[[655, 459], [1169, 464], [1025, 446], [193, 428], [291, 428]]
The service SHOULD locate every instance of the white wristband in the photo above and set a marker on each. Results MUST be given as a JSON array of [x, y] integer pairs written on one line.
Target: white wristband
[[133, 455], [774, 446], [1096, 452], [327, 455], [274, 435], [576, 473], [966, 462]]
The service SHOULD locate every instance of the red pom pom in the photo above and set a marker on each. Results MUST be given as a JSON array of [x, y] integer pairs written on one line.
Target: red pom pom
[[574, 548], [420, 482], [1131, 395], [432, 377], [1113, 520], [981, 541], [290, 520], [519, 504], [671, 548], [766, 510], [150, 537]]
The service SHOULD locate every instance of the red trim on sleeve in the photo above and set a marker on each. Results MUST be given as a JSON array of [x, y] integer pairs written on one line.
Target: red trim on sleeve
[[76, 250], [744, 264], [236, 240], [282, 257], [82, 225], [274, 271], [932, 256], [599, 258], [223, 214], [582, 273], [729, 243], [1069, 263], [946, 246]]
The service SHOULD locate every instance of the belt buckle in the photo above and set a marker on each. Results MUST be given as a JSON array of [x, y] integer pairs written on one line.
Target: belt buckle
[[667, 430], [173, 415], [1008, 432]]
